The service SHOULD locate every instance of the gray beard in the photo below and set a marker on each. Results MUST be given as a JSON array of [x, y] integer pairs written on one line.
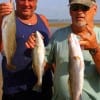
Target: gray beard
[[81, 24]]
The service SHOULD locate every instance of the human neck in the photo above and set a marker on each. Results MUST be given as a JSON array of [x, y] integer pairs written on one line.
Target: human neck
[[79, 29], [29, 20]]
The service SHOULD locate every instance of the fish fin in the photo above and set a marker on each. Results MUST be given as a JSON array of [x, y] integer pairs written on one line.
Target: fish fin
[[11, 67]]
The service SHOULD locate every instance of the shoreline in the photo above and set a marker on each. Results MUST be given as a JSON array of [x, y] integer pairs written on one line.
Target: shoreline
[[63, 24]]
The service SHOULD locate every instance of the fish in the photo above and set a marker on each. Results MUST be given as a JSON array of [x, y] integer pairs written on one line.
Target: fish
[[76, 68], [9, 37], [38, 60]]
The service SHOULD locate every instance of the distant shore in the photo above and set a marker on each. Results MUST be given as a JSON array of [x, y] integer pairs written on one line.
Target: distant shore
[[63, 24]]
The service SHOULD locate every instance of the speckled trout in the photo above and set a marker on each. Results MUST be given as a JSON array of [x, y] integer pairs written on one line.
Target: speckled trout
[[38, 60], [76, 68], [9, 37]]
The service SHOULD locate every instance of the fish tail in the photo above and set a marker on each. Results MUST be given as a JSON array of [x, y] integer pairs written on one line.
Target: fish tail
[[37, 87]]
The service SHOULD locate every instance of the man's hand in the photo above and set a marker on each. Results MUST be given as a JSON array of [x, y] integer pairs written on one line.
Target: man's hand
[[5, 9], [31, 42], [88, 39]]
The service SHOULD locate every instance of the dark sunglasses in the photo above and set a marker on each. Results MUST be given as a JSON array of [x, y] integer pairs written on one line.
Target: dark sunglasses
[[76, 7]]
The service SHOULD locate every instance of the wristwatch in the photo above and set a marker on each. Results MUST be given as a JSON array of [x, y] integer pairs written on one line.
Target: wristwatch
[[93, 51]]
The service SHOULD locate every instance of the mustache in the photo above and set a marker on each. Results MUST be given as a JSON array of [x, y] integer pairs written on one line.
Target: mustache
[[25, 7]]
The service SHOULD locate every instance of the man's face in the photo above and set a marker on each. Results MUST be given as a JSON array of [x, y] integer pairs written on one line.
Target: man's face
[[82, 15], [26, 7]]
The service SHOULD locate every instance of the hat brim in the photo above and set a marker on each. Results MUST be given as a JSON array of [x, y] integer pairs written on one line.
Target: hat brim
[[81, 3]]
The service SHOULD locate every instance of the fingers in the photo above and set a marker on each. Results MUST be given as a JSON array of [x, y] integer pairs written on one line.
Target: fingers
[[85, 36], [31, 43], [88, 34], [5, 9], [83, 43], [88, 38], [90, 31]]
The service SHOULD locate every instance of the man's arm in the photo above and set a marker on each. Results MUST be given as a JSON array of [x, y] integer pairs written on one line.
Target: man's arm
[[0, 34], [96, 57], [45, 20], [89, 42]]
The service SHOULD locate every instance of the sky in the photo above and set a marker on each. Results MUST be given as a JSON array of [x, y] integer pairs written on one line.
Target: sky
[[58, 9]]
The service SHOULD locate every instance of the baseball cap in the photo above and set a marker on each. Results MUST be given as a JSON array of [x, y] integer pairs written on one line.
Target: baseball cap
[[83, 2]]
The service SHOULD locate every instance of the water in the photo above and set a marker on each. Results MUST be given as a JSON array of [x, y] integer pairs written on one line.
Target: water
[[53, 29]]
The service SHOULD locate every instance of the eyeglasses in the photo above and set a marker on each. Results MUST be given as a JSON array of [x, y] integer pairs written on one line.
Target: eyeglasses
[[76, 7]]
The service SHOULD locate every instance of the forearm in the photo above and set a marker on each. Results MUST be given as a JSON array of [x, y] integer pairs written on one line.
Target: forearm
[[0, 23], [0, 34], [96, 58]]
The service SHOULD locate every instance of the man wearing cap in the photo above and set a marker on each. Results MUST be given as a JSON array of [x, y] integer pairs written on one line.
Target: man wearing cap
[[82, 14]]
